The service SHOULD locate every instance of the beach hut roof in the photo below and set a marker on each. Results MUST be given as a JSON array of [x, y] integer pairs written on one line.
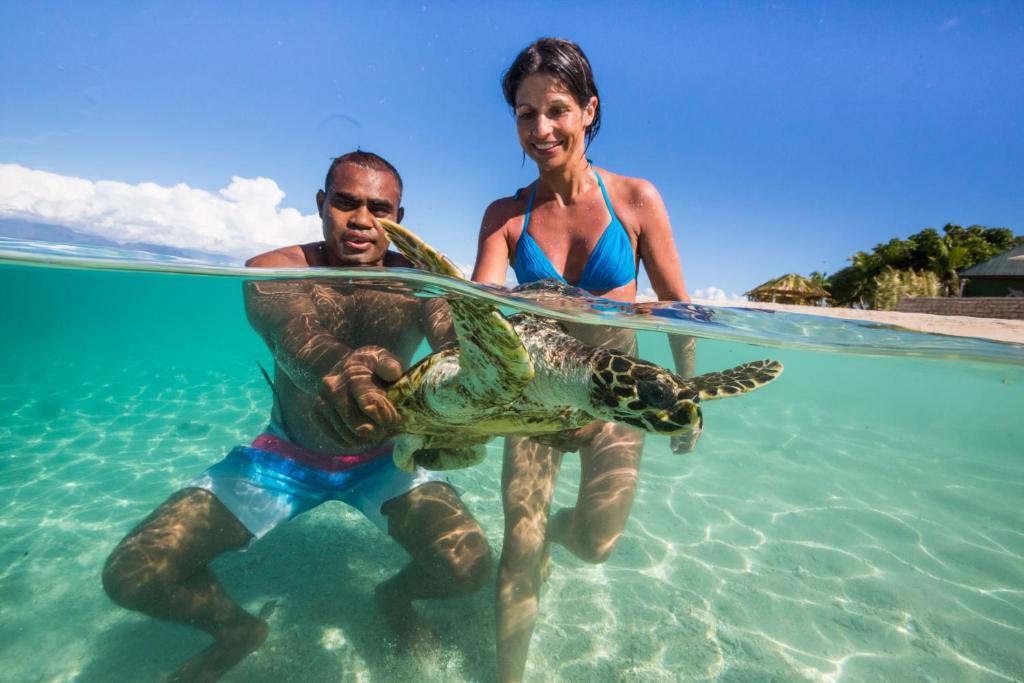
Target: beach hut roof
[[791, 285], [1008, 264]]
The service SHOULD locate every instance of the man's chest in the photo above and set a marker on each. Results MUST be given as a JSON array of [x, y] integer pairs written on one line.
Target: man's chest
[[361, 315]]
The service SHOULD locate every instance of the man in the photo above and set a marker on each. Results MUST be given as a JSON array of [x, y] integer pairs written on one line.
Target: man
[[334, 347]]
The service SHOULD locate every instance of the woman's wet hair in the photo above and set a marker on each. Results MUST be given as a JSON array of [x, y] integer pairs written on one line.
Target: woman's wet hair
[[565, 61]]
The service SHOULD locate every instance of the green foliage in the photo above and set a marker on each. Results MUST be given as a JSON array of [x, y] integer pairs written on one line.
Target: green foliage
[[891, 285], [887, 289], [868, 278], [850, 286]]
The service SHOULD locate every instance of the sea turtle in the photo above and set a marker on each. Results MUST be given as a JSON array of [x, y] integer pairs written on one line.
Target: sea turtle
[[526, 375]]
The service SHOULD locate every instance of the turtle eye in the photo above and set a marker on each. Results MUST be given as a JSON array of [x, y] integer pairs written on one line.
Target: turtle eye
[[656, 394]]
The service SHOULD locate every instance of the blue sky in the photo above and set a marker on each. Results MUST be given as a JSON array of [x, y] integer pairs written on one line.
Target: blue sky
[[782, 136]]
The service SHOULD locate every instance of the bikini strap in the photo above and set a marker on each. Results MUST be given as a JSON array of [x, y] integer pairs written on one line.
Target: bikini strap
[[529, 208], [607, 199]]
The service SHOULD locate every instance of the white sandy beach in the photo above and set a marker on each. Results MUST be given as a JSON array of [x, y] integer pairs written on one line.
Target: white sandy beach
[[956, 325]]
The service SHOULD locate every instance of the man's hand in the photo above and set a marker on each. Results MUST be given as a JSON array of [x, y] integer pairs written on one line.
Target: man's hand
[[570, 440], [684, 443], [353, 403]]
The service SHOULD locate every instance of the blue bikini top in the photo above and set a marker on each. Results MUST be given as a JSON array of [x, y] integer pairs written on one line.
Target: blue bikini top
[[610, 265]]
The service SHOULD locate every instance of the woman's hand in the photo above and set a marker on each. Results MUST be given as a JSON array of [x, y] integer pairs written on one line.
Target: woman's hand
[[685, 443]]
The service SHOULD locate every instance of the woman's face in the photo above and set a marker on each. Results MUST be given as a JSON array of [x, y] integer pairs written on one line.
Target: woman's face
[[551, 124]]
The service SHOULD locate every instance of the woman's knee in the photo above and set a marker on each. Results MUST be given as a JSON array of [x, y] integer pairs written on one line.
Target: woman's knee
[[593, 550], [591, 540]]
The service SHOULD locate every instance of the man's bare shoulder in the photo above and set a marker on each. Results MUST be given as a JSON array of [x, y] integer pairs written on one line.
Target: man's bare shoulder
[[295, 256]]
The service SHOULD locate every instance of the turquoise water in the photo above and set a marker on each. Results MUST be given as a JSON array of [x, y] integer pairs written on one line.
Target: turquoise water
[[861, 519]]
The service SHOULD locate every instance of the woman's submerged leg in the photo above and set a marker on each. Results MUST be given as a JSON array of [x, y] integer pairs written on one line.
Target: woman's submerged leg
[[609, 467], [528, 477]]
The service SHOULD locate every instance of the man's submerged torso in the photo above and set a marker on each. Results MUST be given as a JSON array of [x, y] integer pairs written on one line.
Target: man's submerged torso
[[357, 315]]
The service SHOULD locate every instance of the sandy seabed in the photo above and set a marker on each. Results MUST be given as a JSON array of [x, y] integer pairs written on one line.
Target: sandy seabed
[[821, 532]]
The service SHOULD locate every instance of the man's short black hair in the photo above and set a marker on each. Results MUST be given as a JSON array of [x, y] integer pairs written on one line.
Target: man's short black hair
[[366, 160]]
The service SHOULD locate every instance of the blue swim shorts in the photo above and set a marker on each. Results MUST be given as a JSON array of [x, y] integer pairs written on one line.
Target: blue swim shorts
[[273, 480]]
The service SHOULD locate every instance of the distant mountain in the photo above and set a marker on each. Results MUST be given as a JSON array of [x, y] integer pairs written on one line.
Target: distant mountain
[[59, 234]]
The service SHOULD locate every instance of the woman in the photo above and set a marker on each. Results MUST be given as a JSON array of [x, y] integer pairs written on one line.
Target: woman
[[591, 228]]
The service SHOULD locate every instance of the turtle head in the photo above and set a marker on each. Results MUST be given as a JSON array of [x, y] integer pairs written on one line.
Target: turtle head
[[643, 395]]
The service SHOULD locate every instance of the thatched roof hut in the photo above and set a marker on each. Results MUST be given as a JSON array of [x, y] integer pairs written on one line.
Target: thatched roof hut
[[789, 289]]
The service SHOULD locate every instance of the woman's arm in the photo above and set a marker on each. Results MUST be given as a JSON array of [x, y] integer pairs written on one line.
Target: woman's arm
[[656, 245], [492, 255], [658, 252]]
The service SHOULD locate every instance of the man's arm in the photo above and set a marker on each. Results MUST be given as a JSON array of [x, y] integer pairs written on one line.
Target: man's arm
[[437, 323], [284, 314], [351, 403]]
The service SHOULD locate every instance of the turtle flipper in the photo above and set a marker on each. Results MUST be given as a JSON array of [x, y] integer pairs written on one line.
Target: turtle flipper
[[737, 380], [412, 451], [495, 366], [404, 453], [422, 255], [450, 458]]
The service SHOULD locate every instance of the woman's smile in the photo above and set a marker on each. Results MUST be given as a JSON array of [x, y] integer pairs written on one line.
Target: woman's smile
[[546, 147]]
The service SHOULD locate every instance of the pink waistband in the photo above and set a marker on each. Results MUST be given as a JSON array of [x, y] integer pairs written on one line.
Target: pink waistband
[[330, 462]]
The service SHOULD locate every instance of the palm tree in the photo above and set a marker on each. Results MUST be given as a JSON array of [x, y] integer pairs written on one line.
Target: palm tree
[[950, 259], [865, 267], [819, 279]]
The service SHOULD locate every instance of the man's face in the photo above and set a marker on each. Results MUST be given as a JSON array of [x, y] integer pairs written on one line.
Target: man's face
[[354, 198]]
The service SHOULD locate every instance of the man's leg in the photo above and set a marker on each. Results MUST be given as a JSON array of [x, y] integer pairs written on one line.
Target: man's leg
[[450, 555], [160, 569]]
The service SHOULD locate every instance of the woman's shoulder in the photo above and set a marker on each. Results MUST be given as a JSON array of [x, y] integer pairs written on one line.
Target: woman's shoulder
[[503, 210], [637, 193]]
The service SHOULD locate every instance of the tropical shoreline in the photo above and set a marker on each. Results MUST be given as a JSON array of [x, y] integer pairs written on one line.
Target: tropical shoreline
[[995, 329]]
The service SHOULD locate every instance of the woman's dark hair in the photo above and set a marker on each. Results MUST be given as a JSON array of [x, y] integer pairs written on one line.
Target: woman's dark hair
[[562, 59]]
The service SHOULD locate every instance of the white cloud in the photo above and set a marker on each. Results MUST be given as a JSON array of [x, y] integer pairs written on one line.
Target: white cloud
[[242, 219], [716, 295], [948, 24], [710, 295]]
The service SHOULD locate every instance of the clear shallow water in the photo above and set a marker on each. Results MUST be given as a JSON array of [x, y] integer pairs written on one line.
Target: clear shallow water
[[860, 519]]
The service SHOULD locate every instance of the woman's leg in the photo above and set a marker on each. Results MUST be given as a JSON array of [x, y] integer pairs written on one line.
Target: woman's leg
[[609, 467], [528, 478]]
